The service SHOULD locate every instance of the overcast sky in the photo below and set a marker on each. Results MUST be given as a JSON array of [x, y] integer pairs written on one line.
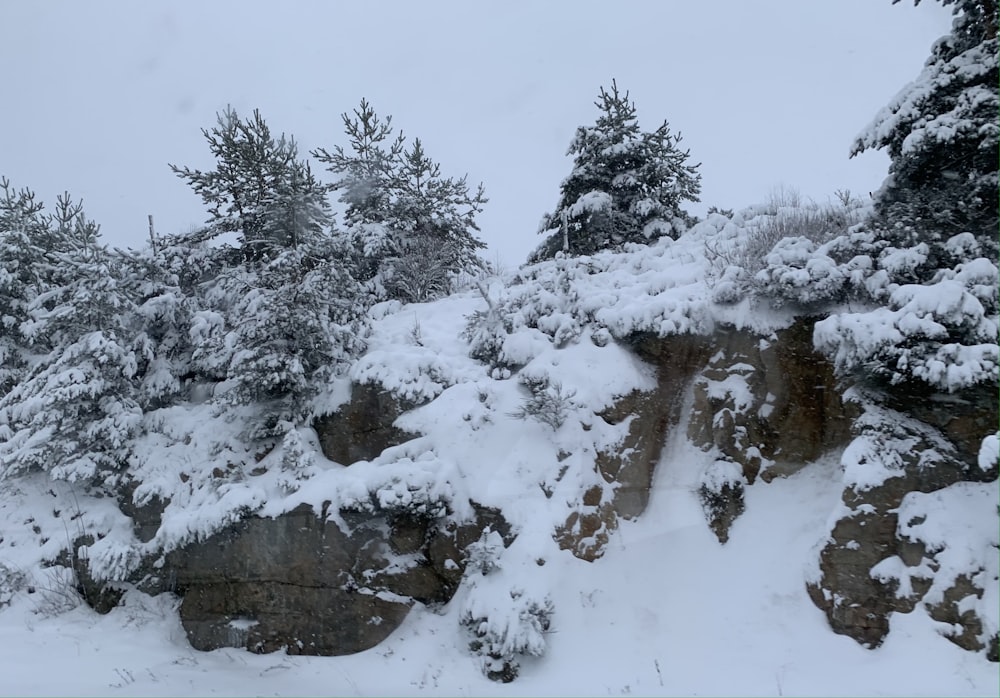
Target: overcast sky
[[99, 96]]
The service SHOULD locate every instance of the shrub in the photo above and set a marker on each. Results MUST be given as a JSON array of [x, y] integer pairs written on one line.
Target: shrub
[[549, 402]]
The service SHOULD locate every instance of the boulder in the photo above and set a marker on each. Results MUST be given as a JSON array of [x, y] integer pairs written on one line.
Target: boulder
[[302, 583]]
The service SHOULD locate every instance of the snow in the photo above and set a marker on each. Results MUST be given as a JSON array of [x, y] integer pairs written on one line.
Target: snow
[[666, 610], [959, 528]]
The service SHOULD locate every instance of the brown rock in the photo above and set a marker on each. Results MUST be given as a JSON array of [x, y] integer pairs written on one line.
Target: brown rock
[[363, 428]]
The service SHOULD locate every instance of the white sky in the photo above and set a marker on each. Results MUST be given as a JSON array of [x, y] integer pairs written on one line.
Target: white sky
[[100, 96]]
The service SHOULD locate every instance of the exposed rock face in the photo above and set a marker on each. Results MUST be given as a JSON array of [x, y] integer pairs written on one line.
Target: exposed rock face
[[265, 584], [769, 406], [363, 428], [764, 406], [299, 582], [857, 600], [630, 468], [856, 603]]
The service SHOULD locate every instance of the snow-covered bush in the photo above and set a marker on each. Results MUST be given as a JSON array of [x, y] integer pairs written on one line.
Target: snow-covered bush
[[796, 271], [484, 554], [785, 216], [11, 582], [720, 491], [296, 461], [486, 330], [505, 620], [501, 635], [943, 333], [57, 592]]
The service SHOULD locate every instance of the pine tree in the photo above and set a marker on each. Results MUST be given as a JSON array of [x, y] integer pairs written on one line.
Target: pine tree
[[942, 133], [367, 169], [259, 188], [626, 185], [411, 229], [159, 324], [24, 239], [929, 258], [298, 322], [276, 318], [74, 413]]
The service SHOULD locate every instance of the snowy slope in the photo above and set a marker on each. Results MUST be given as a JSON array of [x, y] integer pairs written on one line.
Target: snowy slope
[[666, 611]]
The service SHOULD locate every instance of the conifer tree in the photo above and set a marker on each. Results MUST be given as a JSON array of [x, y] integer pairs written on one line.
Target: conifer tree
[[278, 318], [626, 185], [941, 133], [411, 229], [297, 323], [24, 239], [259, 188], [929, 258], [74, 412]]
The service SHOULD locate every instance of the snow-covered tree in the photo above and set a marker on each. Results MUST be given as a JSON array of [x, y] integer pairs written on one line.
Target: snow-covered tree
[[297, 322], [24, 240], [412, 229], [159, 323], [929, 256], [259, 188], [278, 316], [74, 412], [626, 185], [942, 133]]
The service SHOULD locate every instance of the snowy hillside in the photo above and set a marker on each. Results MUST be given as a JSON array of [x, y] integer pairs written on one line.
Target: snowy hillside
[[666, 610], [308, 451]]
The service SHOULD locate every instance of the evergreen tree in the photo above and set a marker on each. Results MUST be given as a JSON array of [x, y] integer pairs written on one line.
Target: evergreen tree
[[159, 323], [626, 185], [298, 322], [259, 188], [929, 258], [411, 229], [24, 239], [74, 412], [942, 133], [276, 318]]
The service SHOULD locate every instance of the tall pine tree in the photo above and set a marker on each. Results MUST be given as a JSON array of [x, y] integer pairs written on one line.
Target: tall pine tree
[[277, 319], [259, 188], [24, 242], [930, 256], [942, 133]]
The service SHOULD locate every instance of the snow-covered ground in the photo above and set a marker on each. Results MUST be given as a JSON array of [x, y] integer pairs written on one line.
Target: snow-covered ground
[[667, 611]]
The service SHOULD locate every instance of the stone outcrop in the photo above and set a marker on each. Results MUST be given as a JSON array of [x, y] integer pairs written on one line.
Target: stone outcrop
[[301, 583], [764, 406], [629, 469], [856, 603], [859, 603], [364, 427], [769, 406]]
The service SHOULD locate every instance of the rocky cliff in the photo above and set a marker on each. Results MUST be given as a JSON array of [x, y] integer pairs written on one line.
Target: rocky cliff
[[337, 581]]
